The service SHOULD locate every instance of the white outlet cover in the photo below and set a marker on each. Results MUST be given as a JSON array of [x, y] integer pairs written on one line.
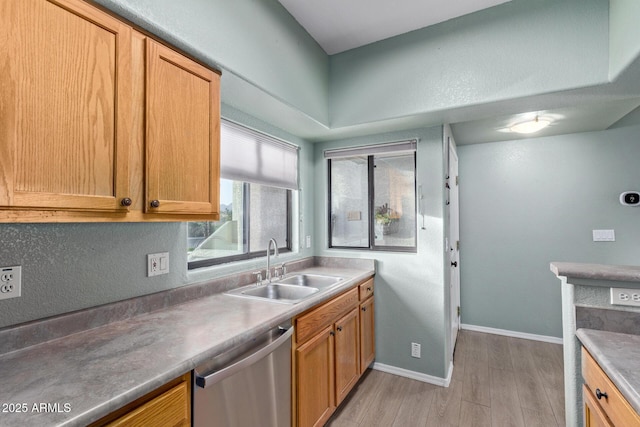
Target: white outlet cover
[[157, 264], [625, 296], [10, 282]]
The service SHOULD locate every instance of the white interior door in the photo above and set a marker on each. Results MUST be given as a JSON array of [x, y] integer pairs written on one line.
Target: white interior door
[[454, 243]]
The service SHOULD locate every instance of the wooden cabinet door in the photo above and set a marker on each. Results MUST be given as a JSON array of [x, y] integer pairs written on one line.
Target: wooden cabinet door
[[64, 122], [182, 134], [594, 416], [347, 354], [315, 373], [367, 334]]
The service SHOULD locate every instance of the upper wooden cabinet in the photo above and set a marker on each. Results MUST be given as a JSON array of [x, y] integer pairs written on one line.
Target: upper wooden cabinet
[[182, 134], [100, 122], [64, 118]]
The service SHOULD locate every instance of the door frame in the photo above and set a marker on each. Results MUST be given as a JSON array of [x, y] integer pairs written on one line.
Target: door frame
[[453, 247]]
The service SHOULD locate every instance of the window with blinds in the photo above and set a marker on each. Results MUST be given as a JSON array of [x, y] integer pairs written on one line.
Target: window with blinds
[[258, 175], [372, 197]]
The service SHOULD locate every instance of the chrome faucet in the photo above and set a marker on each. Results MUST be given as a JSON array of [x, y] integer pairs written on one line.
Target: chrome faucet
[[275, 247]]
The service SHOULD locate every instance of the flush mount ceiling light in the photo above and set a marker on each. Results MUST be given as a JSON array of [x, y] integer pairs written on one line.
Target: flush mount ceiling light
[[530, 126]]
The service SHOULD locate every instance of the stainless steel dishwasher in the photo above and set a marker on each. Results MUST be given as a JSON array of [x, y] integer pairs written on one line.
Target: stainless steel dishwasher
[[249, 385]]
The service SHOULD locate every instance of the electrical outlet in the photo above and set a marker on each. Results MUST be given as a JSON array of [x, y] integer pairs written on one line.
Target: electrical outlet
[[622, 296], [415, 350], [10, 282], [157, 264]]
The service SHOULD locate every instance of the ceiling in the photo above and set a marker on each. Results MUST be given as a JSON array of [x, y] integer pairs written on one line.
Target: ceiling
[[339, 25]]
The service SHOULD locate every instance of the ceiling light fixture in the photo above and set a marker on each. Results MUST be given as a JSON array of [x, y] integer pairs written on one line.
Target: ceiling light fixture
[[530, 126]]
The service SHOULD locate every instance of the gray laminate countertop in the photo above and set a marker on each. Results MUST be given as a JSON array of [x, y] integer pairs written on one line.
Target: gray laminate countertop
[[87, 375], [619, 357], [619, 273]]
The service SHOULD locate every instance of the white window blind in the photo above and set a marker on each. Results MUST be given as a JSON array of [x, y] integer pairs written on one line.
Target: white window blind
[[250, 156], [367, 150]]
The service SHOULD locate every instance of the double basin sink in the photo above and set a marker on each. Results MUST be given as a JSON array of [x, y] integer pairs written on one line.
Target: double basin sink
[[289, 290]]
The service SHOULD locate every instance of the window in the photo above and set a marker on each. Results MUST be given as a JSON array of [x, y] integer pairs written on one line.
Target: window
[[372, 197], [259, 175]]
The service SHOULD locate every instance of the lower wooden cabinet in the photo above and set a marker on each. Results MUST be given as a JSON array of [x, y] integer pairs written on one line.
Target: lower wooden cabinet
[[347, 354], [169, 405], [329, 354], [367, 334], [594, 416], [604, 405], [315, 379]]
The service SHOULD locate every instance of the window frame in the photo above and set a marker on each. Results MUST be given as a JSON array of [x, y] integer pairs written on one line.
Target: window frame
[[371, 209], [246, 224]]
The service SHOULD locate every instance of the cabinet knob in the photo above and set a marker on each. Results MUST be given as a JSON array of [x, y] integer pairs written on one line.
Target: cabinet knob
[[155, 203], [332, 333], [364, 308], [126, 202], [600, 394], [369, 289], [339, 328]]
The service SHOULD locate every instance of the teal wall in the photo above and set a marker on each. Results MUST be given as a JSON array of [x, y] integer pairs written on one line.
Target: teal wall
[[624, 35], [505, 53], [410, 291], [527, 203], [518, 49], [257, 40], [67, 267]]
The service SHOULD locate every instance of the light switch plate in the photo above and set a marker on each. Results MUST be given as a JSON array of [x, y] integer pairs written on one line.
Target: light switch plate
[[604, 236], [416, 350]]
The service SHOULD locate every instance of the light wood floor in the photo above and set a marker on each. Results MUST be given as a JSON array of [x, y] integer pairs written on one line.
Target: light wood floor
[[497, 381]]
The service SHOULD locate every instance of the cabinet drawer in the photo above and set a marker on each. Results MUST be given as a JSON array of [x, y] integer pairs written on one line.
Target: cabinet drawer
[[593, 414], [614, 405], [169, 409], [308, 324], [366, 289]]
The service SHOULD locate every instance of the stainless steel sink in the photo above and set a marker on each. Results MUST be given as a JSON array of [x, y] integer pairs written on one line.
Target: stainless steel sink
[[311, 280], [276, 292]]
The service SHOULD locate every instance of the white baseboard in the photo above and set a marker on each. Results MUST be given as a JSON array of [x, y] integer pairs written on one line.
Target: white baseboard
[[514, 334], [443, 382]]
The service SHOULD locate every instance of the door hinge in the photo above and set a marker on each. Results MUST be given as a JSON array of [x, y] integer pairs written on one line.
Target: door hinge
[[458, 311], [457, 245], [457, 179]]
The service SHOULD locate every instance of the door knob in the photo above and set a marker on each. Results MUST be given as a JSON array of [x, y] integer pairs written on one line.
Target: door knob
[[454, 263]]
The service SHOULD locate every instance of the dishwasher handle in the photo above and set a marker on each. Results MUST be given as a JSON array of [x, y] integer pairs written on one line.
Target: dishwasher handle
[[217, 376]]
